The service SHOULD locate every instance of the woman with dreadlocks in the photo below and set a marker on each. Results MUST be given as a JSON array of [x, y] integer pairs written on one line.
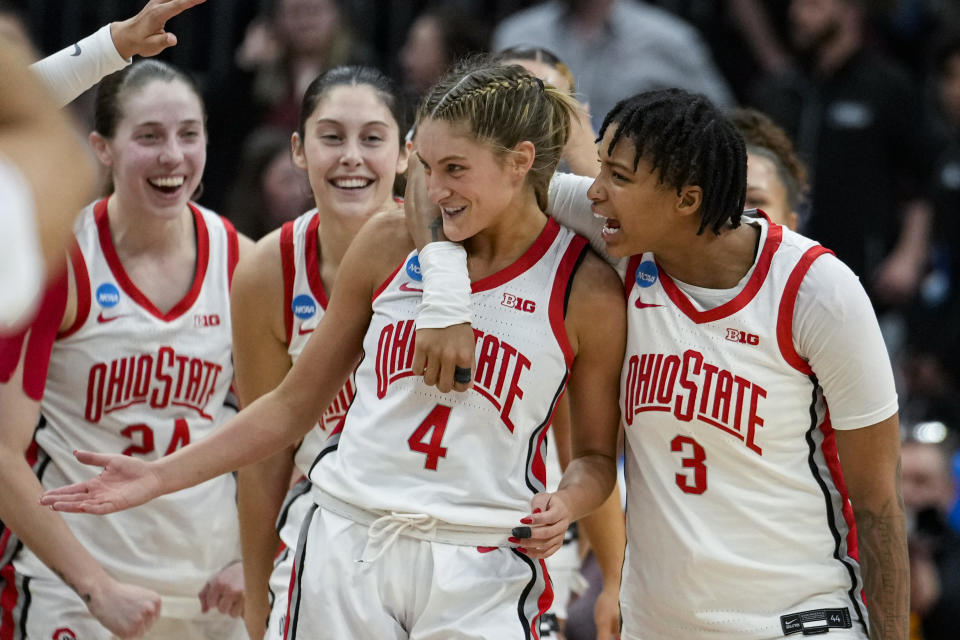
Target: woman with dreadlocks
[[425, 500], [760, 411]]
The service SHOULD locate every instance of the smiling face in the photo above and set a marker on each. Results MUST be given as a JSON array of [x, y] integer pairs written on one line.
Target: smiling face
[[640, 211], [765, 190], [159, 147], [472, 184], [351, 151]]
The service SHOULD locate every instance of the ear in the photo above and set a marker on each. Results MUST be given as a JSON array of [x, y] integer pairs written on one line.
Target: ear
[[524, 153], [101, 148], [296, 151], [689, 199], [404, 158]]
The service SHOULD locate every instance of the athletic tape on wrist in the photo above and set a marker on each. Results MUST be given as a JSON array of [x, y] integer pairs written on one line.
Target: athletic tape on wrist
[[446, 286]]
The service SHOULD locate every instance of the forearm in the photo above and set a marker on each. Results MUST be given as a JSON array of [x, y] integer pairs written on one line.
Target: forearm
[[261, 488], [259, 431], [76, 68], [914, 240], [42, 530], [882, 541], [587, 482], [605, 531]]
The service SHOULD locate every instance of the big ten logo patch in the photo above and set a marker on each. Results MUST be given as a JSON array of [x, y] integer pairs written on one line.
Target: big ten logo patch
[[514, 302], [206, 320], [735, 335], [413, 268], [646, 275], [304, 306], [108, 295]]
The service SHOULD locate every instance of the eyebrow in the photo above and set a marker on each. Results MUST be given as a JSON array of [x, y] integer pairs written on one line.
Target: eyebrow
[[155, 123], [365, 124], [619, 165]]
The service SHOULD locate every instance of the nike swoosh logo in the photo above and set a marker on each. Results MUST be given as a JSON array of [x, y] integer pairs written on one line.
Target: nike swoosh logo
[[301, 331], [76, 50], [644, 305], [102, 319], [407, 287]]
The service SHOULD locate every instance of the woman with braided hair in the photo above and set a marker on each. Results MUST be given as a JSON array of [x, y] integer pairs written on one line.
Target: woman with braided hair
[[431, 518]]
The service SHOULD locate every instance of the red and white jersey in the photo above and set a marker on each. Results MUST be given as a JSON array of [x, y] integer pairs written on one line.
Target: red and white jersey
[[304, 304], [471, 459], [736, 509], [127, 378]]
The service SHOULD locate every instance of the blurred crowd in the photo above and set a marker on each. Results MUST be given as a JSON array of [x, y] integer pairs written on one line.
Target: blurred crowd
[[868, 90]]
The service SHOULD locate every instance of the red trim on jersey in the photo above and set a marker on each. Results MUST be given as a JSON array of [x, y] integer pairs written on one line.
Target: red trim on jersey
[[529, 258], [233, 249], [81, 278], [561, 283], [630, 277], [311, 251], [8, 599], [293, 583], [116, 267], [679, 298], [386, 283], [832, 458], [788, 303], [287, 259], [544, 601]]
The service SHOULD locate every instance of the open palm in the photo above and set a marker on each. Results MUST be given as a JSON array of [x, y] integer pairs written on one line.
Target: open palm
[[125, 482]]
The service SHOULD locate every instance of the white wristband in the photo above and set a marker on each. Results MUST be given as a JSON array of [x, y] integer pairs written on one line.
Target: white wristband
[[74, 69], [446, 286]]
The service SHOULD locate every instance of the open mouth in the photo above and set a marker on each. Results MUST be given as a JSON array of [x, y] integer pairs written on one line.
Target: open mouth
[[351, 184], [167, 184], [611, 226], [451, 212]]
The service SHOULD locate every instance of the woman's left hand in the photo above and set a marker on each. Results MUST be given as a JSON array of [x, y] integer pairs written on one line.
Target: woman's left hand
[[541, 533]]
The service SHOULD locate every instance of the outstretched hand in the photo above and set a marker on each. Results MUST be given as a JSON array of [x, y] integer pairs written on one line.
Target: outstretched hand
[[143, 34], [125, 482]]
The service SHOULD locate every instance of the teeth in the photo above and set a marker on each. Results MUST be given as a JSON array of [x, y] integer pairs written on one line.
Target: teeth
[[169, 181], [610, 229], [453, 212], [351, 183]]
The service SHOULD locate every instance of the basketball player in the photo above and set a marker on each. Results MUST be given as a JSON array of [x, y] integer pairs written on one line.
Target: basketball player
[[418, 494], [349, 144], [131, 353], [760, 411]]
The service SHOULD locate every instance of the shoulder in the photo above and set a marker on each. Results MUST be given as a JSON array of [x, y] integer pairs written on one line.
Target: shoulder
[[378, 248], [596, 295], [260, 263]]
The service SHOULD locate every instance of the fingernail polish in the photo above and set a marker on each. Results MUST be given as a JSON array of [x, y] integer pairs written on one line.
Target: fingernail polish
[[537, 510], [526, 520], [513, 540]]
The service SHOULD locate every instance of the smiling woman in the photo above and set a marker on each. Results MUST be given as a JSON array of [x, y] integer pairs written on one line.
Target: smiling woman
[[131, 353], [418, 483]]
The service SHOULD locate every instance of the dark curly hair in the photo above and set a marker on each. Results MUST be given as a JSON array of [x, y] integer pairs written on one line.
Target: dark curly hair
[[765, 138]]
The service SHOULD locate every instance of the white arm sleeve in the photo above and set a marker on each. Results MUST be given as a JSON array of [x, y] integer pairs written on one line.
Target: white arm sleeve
[[21, 264], [568, 204], [74, 69], [836, 331]]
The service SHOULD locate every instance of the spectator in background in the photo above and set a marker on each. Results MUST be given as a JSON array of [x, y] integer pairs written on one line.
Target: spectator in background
[[438, 37], [929, 492], [283, 51], [616, 48], [269, 189], [776, 177], [858, 123]]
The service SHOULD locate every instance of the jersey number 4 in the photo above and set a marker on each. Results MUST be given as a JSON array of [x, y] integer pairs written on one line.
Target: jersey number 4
[[427, 437], [696, 482], [143, 440]]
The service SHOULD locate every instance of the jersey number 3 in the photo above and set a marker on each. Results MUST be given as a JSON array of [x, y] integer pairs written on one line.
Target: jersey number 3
[[427, 437], [683, 444]]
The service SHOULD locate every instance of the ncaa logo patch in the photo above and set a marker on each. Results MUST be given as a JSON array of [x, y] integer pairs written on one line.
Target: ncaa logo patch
[[413, 268], [108, 295], [304, 306], [646, 274]]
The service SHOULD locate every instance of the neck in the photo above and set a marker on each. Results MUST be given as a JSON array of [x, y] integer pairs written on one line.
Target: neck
[[837, 51], [711, 261], [334, 236], [503, 242], [136, 231]]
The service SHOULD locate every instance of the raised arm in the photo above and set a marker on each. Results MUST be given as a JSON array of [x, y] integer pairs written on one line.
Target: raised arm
[[260, 361], [596, 324], [274, 420]]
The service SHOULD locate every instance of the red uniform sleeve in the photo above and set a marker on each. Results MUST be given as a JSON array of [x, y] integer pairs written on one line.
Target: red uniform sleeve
[[38, 336]]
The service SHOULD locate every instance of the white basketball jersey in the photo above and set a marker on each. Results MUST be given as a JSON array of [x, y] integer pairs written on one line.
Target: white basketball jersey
[[474, 458], [729, 442], [127, 378], [305, 302]]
